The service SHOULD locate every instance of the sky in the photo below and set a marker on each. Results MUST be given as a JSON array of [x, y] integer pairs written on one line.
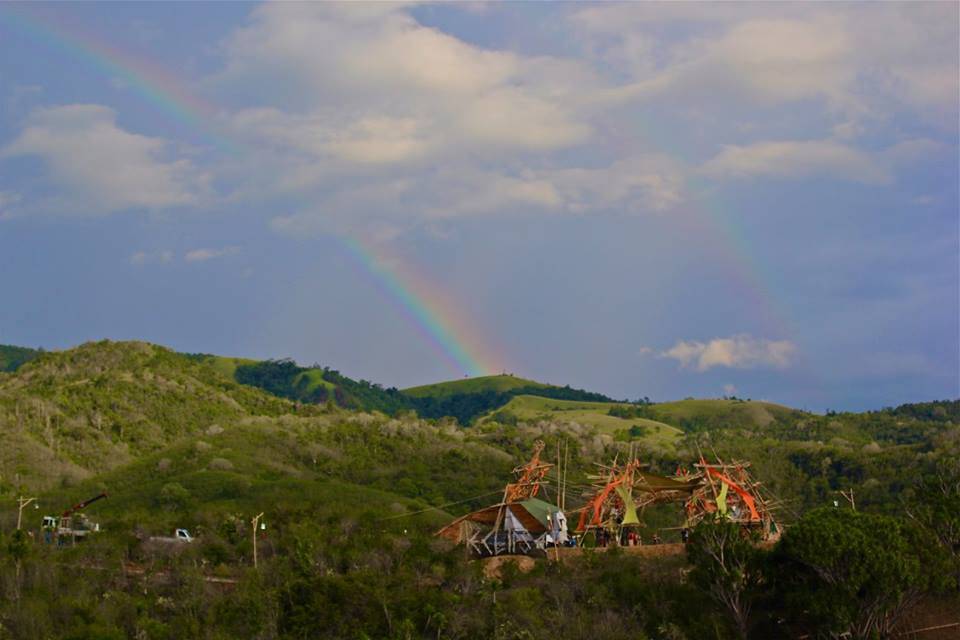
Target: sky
[[656, 200]]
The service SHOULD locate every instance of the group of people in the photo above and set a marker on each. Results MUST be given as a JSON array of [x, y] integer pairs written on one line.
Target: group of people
[[629, 538]]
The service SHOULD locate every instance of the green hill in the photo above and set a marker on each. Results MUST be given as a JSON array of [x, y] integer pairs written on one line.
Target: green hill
[[500, 383], [69, 414], [319, 467], [594, 414], [351, 500], [693, 414]]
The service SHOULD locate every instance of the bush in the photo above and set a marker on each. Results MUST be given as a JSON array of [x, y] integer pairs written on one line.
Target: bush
[[854, 573]]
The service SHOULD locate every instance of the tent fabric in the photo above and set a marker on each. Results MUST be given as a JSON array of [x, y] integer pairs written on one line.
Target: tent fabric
[[512, 523], [558, 530], [629, 506], [533, 515], [661, 483], [722, 500], [539, 510]]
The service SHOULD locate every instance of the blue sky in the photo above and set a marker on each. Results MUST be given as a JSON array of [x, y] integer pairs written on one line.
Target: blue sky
[[661, 200]]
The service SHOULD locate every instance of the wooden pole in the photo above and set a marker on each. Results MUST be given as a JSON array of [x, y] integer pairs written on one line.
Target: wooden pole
[[254, 523], [559, 475], [21, 503]]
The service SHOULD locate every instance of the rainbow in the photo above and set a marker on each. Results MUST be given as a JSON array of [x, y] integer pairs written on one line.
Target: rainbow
[[425, 305], [427, 308], [151, 82]]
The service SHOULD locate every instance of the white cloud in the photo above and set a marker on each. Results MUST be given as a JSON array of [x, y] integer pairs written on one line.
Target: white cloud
[[862, 63], [100, 167], [204, 254], [633, 186], [796, 159], [729, 389], [738, 352], [387, 89]]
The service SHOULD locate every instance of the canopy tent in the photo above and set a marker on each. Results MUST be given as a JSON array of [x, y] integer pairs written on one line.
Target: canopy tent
[[531, 516], [655, 483]]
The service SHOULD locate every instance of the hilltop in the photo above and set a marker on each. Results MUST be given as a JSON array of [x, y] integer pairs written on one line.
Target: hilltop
[[465, 399], [66, 415], [499, 383], [615, 419]]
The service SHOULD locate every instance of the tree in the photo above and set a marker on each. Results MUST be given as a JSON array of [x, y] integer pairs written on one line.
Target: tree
[[727, 564], [850, 573], [936, 508], [174, 496]]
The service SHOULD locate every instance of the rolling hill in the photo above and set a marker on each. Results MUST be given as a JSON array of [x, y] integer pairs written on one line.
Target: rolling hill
[[499, 383], [70, 414], [351, 498], [594, 414]]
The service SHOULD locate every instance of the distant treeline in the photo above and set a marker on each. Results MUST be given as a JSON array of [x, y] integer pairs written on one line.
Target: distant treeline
[[12, 358], [287, 379]]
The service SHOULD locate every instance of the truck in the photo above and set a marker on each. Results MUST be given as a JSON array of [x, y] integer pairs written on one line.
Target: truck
[[71, 525], [180, 536]]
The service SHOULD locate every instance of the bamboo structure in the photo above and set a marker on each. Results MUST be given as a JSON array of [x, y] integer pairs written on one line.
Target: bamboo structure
[[520, 523], [728, 492], [620, 492]]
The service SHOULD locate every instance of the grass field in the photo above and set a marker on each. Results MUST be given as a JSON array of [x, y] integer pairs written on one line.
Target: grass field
[[595, 414], [314, 379], [472, 385], [756, 412], [226, 365]]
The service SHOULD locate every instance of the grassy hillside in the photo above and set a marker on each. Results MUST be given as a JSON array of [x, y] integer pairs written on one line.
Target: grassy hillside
[[70, 414], [593, 414], [292, 467], [348, 551], [693, 414], [500, 383]]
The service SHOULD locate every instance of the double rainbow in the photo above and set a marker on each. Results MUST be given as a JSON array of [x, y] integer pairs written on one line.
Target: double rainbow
[[428, 309], [434, 315]]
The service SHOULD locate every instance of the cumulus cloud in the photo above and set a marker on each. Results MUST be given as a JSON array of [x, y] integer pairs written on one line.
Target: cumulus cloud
[[102, 168], [204, 254], [737, 352], [796, 158], [860, 62], [390, 90], [402, 122]]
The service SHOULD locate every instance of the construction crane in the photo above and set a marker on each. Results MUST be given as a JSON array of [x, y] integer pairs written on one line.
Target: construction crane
[[71, 524]]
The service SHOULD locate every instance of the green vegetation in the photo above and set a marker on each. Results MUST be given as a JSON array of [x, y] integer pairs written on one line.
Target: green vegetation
[[12, 358], [464, 400], [499, 383], [853, 573], [67, 415], [351, 499], [702, 415], [613, 419]]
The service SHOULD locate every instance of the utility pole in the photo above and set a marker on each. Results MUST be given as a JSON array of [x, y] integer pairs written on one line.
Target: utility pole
[[21, 504], [254, 522]]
